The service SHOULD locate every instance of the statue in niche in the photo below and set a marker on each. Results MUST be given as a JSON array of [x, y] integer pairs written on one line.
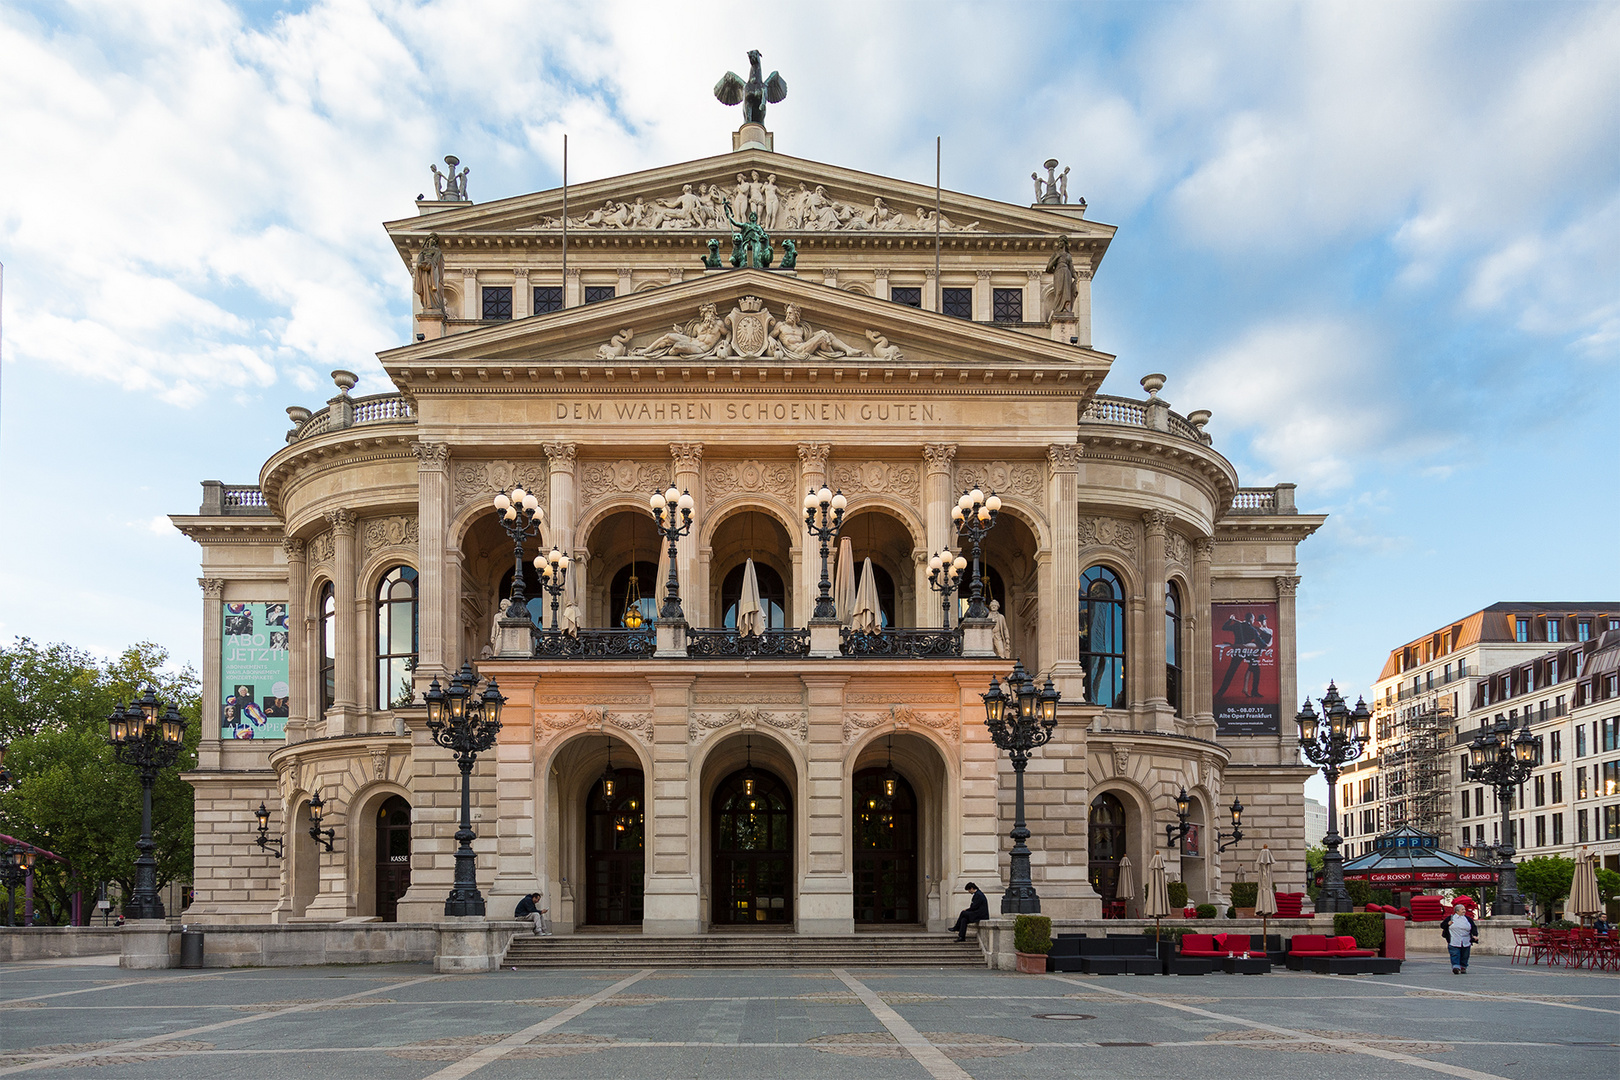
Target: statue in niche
[[792, 340], [706, 336], [753, 94], [1061, 267], [427, 274], [617, 347], [750, 246], [451, 187], [1000, 639]]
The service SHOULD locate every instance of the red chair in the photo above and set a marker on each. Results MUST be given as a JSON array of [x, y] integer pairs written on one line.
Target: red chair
[[1523, 945]]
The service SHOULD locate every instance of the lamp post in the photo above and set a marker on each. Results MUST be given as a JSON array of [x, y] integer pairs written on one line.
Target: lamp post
[[824, 516], [1332, 741], [264, 840], [975, 515], [1174, 834], [945, 577], [1019, 720], [12, 872], [150, 738], [521, 517], [317, 814], [1499, 758], [665, 505], [553, 567], [1226, 840], [465, 723]]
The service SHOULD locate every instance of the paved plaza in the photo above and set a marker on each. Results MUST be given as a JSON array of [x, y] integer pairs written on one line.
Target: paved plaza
[[403, 1021]]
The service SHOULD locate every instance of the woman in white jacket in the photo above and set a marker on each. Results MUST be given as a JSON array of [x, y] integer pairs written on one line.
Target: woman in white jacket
[[1461, 932]]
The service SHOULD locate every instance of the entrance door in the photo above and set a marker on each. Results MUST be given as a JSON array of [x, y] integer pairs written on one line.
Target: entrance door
[[614, 850], [885, 844], [393, 856], [752, 872], [1106, 845]]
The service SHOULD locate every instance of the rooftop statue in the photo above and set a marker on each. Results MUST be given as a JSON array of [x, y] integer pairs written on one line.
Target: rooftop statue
[[750, 246], [452, 187], [753, 94]]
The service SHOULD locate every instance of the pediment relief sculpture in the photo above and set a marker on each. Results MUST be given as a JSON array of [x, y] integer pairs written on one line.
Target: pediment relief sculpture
[[902, 717], [748, 331]]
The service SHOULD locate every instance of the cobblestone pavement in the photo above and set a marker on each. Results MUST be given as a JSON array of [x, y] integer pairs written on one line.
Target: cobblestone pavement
[[402, 1021]]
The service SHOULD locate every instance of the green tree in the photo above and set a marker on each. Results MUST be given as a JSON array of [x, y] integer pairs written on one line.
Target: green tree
[[1546, 878], [1608, 884], [70, 795]]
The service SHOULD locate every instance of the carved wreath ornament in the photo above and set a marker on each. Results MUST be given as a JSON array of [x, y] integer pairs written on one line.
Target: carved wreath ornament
[[701, 725]]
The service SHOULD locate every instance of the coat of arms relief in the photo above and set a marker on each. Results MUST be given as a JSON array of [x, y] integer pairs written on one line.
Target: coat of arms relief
[[749, 331]]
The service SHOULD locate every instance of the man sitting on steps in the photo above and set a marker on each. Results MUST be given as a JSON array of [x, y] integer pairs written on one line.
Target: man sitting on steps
[[529, 908], [978, 910]]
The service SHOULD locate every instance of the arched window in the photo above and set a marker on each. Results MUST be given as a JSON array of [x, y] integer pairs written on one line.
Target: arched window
[[772, 596], [396, 637], [539, 601], [1102, 637], [328, 647], [648, 587], [1172, 645], [1105, 844]]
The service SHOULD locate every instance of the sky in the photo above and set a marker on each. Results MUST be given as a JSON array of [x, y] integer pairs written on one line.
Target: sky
[[1380, 241]]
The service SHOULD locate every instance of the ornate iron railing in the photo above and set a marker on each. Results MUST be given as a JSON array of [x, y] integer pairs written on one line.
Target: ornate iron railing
[[595, 644], [790, 642], [903, 642]]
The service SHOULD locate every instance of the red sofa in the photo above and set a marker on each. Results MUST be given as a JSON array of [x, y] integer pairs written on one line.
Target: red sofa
[[1321, 945], [1216, 946], [1337, 956]]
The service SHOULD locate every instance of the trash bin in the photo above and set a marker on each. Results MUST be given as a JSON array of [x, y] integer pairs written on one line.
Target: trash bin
[[191, 948]]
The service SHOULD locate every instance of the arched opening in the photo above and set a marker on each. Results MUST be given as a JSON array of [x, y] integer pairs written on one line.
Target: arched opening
[[1102, 637], [878, 535], [328, 647], [1105, 845], [743, 535], [623, 572], [305, 860], [772, 596], [615, 848], [396, 637], [884, 828], [1194, 859], [393, 856], [1011, 580], [752, 850], [1172, 645], [633, 589]]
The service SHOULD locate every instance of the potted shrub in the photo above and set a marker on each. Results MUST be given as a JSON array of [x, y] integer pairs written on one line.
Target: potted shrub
[[1244, 896], [1205, 911], [1032, 938], [1360, 893], [1178, 897]]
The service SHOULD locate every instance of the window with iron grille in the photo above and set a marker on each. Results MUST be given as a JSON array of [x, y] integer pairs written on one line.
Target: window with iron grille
[[547, 298], [959, 303], [906, 295], [1007, 305], [596, 293], [497, 301]]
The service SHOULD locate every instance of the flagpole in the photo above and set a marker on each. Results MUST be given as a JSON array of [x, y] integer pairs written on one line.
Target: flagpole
[[565, 223]]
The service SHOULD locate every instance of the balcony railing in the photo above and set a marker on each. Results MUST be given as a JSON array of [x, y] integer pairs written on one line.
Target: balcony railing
[[1272, 500], [790, 642], [595, 644], [900, 642], [221, 500], [348, 412]]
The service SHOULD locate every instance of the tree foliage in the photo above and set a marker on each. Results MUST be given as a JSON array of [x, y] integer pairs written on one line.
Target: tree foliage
[[69, 793], [1547, 878]]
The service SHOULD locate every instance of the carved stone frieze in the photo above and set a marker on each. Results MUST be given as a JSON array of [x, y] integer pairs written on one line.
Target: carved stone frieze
[[878, 478], [595, 718], [478, 481], [390, 532], [321, 549], [1024, 478], [1176, 549], [600, 479], [749, 331], [756, 698], [1108, 532], [902, 717], [725, 478], [701, 725]]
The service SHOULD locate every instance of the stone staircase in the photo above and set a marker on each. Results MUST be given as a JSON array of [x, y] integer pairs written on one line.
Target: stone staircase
[[594, 950]]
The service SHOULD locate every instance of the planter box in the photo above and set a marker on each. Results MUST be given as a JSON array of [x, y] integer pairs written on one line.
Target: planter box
[[1032, 963], [1245, 912]]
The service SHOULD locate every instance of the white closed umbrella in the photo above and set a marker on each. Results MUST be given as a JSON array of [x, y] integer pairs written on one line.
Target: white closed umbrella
[[844, 582], [1583, 890], [1156, 894], [1265, 899], [750, 619], [1125, 887], [867, 616]]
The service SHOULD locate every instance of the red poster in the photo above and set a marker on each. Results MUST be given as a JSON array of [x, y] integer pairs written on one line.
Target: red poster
[[1247, 682]]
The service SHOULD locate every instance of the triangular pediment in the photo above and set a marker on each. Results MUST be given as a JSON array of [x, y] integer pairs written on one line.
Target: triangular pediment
[[668, 327], [807, 198]]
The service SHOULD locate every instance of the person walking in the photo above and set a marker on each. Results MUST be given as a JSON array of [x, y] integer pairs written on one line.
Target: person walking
[[1461, 931], [978, 910], [529, 908]]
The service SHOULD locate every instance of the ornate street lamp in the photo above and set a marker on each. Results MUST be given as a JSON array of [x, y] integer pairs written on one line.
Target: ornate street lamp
[[1019, 720], [1175, 834], [1332, 741], [465, 723], [521, 517], [149, 737], [264, 840], [1226, 840], [317, 811], [665, 505], [1503, 760], [830, 506], [975, 515], [553, 567], [945, 577]]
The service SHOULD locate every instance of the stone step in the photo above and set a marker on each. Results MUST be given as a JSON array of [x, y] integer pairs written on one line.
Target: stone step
[[743, 950]]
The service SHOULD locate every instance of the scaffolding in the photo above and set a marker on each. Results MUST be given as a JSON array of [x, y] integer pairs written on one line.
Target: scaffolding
[[1414, 766]]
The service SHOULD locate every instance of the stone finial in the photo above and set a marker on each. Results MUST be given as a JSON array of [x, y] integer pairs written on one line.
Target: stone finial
[[298, 414], [345, 380], [1055, 188], [451, 186], [1153, 384]]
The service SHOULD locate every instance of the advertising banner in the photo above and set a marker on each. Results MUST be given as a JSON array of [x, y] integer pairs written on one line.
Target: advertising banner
[[1247, 682], [253, 672]]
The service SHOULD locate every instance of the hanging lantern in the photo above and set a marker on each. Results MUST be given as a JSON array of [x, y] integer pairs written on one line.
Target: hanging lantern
[[609, 778]]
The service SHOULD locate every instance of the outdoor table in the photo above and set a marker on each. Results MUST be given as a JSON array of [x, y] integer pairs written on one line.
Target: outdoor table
[[1246, 965]]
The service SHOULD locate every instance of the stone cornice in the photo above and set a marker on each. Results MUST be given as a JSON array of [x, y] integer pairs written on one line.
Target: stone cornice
[[1163, 451], [228, 530], [1254, 528], [312, 456]]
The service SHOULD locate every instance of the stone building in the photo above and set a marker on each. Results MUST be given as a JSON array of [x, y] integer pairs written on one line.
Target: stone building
[[902, 356]]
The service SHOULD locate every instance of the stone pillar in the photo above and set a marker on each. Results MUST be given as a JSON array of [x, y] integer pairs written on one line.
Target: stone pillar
[[1287, 653], [672, 900], [472, 304], [812, 475], [829, 277], [930, 293], [346, 699], [827, 884], [676, 275], [1032, 296], [436, 632], [623, 287], [559, 531], [1202, 642], [1059, 579], [937, 504], [688, 459], [983, 305], [297, 638], [213, 590], [1082, 305], [1155, 526], [573, 295], [522, 295], [880, 287]]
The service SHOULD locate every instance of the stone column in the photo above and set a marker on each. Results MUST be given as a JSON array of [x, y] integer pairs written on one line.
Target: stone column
[[1082, 304], [436, 632], [983, 308], [522, 295], [937, 504], [1287, 652], [688, 459], [880, 287], [1202, 645], [673, 900], [676, 275], [829, 277], [930, 293], [213, 590], [1155, 526], [297, 638], [346, 699], [1059, 579], [807, 570], [472, 305], [559, 531], [827, 884], [573, 295], [1032, 296], [623, 288]]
